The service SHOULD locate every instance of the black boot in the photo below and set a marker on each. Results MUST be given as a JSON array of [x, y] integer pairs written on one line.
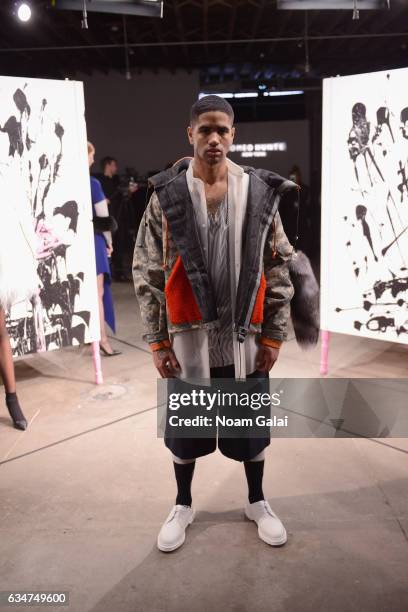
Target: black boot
[[14, 408]]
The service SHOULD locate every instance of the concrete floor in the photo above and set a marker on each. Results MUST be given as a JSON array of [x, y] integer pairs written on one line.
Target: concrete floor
[[84, 490]]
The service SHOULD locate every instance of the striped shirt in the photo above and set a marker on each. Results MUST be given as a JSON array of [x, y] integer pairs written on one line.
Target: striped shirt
[[220, 340]]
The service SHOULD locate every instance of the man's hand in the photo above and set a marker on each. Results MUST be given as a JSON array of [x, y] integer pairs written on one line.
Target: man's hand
[[166, 363], [109, 248], [265, 358]]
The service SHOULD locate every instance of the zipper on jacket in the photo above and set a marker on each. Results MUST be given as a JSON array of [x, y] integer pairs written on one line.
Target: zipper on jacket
[[274, 251]]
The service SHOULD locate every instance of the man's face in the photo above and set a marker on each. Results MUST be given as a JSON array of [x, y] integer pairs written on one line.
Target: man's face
[[113, 168], [211, 136]]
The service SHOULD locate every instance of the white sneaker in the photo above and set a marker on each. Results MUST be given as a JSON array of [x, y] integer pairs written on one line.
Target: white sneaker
[[173, 531], [270, 528]]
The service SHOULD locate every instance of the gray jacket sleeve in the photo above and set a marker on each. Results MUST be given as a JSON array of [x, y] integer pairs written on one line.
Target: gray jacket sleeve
[[279, 289], [148, 273]]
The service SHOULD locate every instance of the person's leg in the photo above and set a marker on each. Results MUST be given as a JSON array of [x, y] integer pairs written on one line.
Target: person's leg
[[251, 451], [270, 527], [254, 469], [104, 341], [184, 452], [183, 470], [173, 531], [7, 374], [6, 357], [100, 282], [239, 449]]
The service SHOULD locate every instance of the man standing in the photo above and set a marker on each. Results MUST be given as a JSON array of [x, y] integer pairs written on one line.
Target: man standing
[[118, 196], [211, 276], [109, 178], [110, 181]]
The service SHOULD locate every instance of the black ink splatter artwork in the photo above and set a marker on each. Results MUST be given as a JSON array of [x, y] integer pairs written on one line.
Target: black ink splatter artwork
[[59, 131], [52, 320], [376, 240], [12, 128], [359, 142], [69, 210], [361, 212]]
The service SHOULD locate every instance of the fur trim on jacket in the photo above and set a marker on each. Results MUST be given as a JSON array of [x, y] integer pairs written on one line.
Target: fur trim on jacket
[[304, 307]]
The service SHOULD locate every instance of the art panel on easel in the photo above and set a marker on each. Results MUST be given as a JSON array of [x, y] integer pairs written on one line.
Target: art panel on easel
[[46, 215], [364, 263]]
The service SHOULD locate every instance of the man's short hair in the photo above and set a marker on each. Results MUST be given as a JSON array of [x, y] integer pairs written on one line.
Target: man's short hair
[[209, 104], [107, 160]]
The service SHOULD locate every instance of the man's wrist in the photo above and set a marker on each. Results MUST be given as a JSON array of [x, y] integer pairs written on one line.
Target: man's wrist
[[270, 342], [157, 346]]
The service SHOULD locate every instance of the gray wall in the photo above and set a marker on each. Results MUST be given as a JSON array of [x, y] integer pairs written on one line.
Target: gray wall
[[141, 122], [294, 133]]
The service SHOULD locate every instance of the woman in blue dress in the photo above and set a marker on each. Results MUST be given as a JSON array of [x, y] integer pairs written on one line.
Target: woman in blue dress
[[104, 224]]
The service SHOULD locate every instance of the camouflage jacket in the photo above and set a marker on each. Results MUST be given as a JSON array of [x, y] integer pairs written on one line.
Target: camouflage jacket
[[169, 270]]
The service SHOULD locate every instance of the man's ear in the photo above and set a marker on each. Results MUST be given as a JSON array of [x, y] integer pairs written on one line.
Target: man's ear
[[233, 132], [190, 134]]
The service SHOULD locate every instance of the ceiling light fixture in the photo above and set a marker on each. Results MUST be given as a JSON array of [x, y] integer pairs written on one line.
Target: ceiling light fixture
[[24, 12], [293, 92], [246, 94], [221, 95], [240, 94], [84, 21], [144, 8]]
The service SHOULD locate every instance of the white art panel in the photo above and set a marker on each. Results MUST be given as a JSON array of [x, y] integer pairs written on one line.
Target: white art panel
[[44, 175], [364, 264]]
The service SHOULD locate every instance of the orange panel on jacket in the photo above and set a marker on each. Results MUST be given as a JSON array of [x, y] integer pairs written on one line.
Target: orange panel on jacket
[[257, 313], [181, 303]]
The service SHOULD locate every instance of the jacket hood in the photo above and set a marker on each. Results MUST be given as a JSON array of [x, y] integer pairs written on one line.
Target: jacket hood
[[272, 179], [166, 176]]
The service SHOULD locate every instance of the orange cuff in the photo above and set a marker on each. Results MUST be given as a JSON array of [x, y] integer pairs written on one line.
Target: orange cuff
[[269, 342], [156, 346]]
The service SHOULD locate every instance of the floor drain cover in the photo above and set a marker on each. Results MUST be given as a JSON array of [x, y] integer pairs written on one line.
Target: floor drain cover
[[107, 392]]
